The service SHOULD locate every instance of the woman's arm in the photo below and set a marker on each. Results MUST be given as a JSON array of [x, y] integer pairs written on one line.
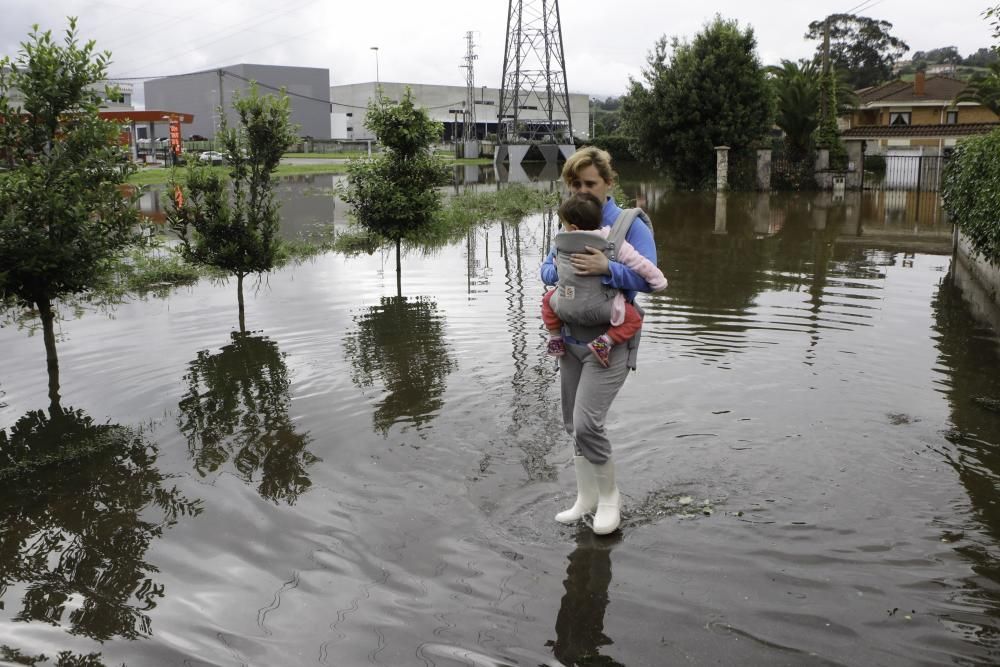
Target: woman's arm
[[623, 278], [652, 274], [549, 273]]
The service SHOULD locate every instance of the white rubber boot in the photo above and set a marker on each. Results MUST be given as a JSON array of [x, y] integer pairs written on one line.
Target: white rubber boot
[[586, 492], [609, 501]]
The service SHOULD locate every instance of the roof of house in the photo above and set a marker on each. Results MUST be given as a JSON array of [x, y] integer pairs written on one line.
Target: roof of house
[[908, 131], [936, 88]]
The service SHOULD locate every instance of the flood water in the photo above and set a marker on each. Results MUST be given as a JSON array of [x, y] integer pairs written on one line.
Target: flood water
[[809, 455]]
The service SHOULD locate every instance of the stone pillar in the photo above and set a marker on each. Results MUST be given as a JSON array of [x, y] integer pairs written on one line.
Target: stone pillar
[[764, 169], [822, 169], [720, 212], [855, 163], [722, 168], [762, 213], [820, 210]]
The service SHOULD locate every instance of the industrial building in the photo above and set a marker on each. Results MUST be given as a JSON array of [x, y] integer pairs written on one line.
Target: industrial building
[[445, 104], [201, 94]]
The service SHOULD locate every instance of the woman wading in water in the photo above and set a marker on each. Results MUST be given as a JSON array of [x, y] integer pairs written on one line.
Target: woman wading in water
[[587, 386]]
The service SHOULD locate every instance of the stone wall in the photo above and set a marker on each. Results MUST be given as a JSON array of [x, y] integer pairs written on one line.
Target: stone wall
[[979, 281]]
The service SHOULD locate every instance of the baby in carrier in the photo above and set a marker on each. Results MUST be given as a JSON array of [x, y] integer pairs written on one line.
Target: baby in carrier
[[586, 300]]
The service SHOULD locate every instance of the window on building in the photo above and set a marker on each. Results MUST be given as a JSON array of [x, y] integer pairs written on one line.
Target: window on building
[[951, 117], [350, 129], [899, 118], [350, 114]]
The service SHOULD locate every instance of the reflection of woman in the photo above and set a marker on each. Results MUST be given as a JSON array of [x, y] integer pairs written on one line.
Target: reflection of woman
[[588, 388], [580, 623]]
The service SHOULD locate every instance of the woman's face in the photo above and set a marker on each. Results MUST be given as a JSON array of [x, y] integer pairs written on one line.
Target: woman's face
[[589, 180]]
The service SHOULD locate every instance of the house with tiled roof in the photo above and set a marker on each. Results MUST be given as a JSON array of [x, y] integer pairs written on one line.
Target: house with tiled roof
[[918, 114]]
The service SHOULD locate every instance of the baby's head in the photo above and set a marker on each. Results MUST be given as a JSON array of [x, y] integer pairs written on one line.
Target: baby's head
[[582, 211]]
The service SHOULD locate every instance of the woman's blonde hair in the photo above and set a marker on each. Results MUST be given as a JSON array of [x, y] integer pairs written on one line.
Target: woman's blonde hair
[[586, 157]]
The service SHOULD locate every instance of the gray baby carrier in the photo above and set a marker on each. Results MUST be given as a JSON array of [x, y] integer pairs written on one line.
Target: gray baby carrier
[[583, 303]]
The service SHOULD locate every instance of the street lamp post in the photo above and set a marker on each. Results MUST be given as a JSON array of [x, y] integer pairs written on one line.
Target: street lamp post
[[375, 49]]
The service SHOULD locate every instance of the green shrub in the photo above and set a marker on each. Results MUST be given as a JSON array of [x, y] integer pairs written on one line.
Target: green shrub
[[618, 145], [971, 193], [875, 164]]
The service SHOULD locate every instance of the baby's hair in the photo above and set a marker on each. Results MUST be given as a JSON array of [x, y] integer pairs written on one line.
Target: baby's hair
[[583, 210]]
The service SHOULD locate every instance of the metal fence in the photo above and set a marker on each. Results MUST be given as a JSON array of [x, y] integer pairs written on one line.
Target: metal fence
[[903, 171]]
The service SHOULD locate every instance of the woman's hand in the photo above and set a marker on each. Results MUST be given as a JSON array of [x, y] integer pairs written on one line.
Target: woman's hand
[[591, 263]]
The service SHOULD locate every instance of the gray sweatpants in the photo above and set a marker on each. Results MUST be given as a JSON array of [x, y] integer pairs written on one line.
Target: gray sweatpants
[[588, 389]]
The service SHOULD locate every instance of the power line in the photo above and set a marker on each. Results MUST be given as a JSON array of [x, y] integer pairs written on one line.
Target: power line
[[863, 6], [268, 18]]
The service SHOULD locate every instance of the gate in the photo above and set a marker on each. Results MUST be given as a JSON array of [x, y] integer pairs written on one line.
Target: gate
[[902, 169]]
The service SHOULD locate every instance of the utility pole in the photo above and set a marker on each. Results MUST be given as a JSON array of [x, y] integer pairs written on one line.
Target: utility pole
[[469, 117]]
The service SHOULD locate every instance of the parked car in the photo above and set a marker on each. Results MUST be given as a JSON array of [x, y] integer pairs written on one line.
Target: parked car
[[212, 157]]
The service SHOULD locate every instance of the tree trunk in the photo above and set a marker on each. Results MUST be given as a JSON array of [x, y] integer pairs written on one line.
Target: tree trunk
[[51, 358], [399, 270], [239, 295]]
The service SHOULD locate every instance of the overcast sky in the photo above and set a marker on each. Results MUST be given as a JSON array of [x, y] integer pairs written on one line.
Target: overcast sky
[[423, 41]]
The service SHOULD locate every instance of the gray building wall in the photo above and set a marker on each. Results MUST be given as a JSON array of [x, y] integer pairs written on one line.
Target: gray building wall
[[439, 102], [199, 93]]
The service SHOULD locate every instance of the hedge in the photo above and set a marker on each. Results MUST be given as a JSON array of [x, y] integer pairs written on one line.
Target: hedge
[[971, 193], [617, 145]]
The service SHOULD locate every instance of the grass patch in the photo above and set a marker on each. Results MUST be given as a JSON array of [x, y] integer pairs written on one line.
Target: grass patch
[[322, 238], [345, 155], [156, 269], [458, 214]]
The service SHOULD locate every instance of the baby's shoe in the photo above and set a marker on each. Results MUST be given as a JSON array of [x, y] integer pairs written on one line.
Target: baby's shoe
[[557, 347], [601, 347]]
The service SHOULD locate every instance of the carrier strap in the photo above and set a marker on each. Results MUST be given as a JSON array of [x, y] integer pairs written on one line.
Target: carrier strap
[[621, 227]]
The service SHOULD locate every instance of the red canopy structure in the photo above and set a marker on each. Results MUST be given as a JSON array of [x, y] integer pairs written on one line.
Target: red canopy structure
[[150, 117]]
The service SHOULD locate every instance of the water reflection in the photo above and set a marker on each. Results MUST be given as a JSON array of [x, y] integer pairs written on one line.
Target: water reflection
[[82, 504], [580, 622], [237, 409], [531, 379], [400, 343], [744, 267], [967, 345], [527, 172]]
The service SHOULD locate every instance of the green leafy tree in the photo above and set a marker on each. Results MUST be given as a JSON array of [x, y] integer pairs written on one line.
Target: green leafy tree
[[944, 55], [864, 48], [63, 215], [394, 194], [984, 89], [232, 224], [702, 94], [993, 15], [983, 57]]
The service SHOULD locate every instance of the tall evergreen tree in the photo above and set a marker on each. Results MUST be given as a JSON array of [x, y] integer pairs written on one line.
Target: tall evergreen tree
[[394, 193], [698, 95], [235, 228]]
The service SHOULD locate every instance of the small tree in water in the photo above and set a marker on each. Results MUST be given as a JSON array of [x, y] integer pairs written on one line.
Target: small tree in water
[[393, 194], [235, 229], [63, 215]]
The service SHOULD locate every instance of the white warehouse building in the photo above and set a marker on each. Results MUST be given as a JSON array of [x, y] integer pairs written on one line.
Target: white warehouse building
[[445, 104]]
